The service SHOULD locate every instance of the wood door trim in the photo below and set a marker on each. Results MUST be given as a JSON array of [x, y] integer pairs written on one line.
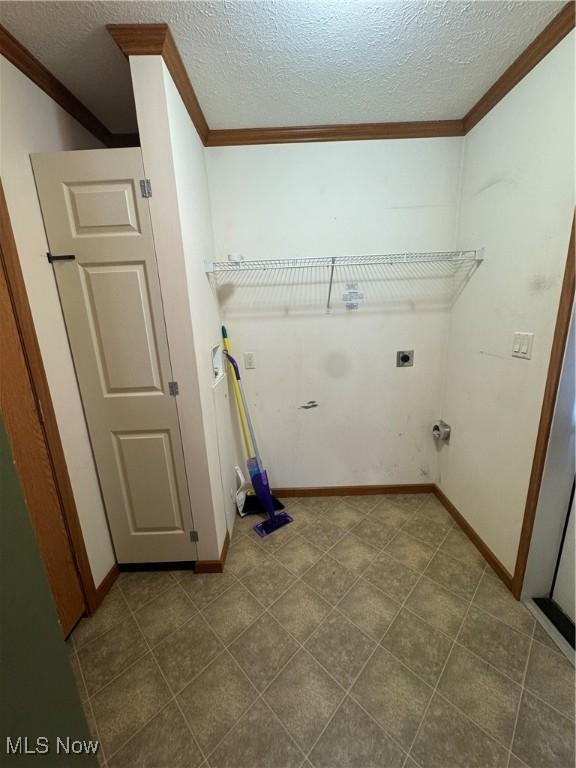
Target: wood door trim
[[560, 26], [561, 329], [28, 64], [157, 40], [17, 288]]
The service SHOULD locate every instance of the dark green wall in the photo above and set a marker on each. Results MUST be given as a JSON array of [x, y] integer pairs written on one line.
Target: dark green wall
[[38, 695]]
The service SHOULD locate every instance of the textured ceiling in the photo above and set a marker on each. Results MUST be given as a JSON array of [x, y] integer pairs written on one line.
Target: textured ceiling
[[280, 63]]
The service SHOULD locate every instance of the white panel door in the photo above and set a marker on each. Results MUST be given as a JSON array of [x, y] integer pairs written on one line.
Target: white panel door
[[565, 589], [110, 293]]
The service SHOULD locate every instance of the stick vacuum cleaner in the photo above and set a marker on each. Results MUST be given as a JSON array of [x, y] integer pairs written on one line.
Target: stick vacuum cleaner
[[258, 476]]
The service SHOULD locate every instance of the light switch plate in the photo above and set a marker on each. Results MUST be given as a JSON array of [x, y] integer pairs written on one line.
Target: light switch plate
[[522, 345], [249, 360]]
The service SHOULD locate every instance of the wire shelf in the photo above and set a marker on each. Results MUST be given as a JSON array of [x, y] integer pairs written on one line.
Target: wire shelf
[[343, 283]]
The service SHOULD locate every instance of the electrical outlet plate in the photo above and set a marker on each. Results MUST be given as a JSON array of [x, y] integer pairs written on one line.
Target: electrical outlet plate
[[249, 360], [522, 345], [405, 358]]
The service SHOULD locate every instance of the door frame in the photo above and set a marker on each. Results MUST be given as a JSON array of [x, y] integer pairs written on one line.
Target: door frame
[[93, 595], [559, 341]]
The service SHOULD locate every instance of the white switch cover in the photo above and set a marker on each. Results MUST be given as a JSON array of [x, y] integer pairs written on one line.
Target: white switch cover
[[249, 360], [522, 345]]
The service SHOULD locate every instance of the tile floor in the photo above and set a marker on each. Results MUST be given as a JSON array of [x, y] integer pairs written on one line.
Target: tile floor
[[368, 634]]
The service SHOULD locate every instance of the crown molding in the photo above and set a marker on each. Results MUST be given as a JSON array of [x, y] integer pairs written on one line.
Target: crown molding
[[157, 40], [29, 65], [560, 26]]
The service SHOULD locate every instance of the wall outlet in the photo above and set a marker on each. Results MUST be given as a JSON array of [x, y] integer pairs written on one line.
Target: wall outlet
[[405, 358], [249, 360], [522, 345]]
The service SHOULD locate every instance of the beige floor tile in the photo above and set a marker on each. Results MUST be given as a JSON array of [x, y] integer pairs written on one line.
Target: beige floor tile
[[393, 695], [340, 647], [459, 546], [322, 533], [187, 651], [440, 608], [215, 701], [374, 531], [364, 504], [257, 741], [263, 650], [369, 608], [542, 636], [393, 578], [233, 612], [454, 575], [129, 702], [112, 611], [423, 649], [330, 579], [391, 515], [243, 555], [164, 741], [274, 541], [140, 587], [343, 515], [268, 581], [109, 655], [165, 613], [551, 677], [495, 642], [544, 738], [437, 512], [300, 610], [421, 527], [298, 555], [353, 553], [304, 697], [410, 551], [494, 598], [408, 501], [488, 698], [202, 588], [448, 738], [353, 740]]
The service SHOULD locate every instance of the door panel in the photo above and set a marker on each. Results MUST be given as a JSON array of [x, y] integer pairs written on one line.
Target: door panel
[[564, 588], [32, 459], [110, 295]]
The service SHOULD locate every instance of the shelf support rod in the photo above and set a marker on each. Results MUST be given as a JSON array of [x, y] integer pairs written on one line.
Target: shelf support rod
[[330, 285]]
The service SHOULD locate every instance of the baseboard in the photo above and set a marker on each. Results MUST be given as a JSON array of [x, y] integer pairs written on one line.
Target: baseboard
[[103, 588], [479, 543], [355, 490], [214, 566]]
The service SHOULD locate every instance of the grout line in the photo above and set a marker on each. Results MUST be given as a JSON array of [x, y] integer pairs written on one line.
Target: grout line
[[443, 669], [523, 689]]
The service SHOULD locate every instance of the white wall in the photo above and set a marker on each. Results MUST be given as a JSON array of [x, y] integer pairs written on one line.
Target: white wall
[[174, 161], [32, 122], [373, 422], [518, 202]]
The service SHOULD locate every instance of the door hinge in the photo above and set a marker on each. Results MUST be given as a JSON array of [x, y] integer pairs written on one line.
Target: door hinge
[[193, 535], [173, 388], [145, 187]]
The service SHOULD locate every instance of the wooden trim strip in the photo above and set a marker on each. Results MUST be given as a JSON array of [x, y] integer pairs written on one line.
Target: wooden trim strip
[[354, 490], [315, 133], [560, 26], [214, 566], [106, 585], [29, 65], [479, 543], [547, 414], [9, 255], [156, 39]]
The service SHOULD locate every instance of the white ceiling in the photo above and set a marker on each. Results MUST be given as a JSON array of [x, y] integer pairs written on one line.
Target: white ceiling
[[262, 63]]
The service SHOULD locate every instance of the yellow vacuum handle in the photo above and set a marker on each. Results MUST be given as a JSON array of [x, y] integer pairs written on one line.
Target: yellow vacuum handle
[[238, 399]]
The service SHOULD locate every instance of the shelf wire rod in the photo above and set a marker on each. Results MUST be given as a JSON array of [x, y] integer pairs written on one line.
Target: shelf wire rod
[[330, 285]]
